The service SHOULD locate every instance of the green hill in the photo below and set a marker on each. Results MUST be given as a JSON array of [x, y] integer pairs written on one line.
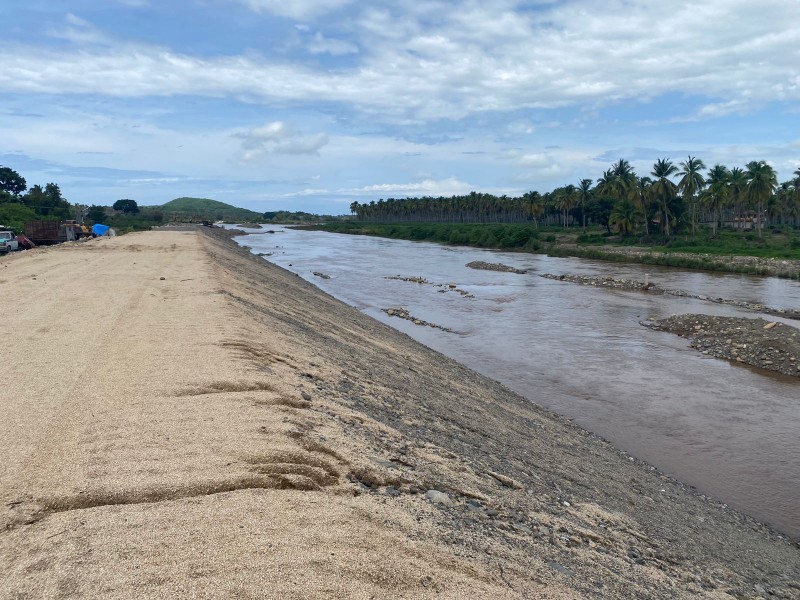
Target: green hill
[[205, 208]]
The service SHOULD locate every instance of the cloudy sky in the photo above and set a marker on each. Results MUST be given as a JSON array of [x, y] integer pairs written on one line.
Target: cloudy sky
[[311, 104]]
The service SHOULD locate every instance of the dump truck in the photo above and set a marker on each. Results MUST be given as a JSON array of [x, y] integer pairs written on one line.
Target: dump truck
[[44, 233]]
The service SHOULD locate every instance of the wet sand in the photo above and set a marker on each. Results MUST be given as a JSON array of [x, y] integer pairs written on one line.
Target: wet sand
[[187, 420]]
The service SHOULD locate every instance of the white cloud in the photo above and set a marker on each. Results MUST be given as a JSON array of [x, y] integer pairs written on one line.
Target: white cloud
[[296, 9], [466, 79], [79, 31], [428, 187], [721, 109], [77, 21], [278, 138], [444, 187], [322, 45], [419, 64]]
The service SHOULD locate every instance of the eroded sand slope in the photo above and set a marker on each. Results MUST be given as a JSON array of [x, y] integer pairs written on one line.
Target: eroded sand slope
[[229, 430]]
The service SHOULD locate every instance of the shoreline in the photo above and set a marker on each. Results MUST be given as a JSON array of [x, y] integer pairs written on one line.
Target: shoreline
[[724, 263], [440, 482]]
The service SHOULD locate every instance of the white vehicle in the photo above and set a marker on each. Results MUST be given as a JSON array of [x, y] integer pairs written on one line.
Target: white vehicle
[[8, 242]]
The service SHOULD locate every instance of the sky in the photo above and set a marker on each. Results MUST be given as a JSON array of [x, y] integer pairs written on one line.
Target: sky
[[313, 104]]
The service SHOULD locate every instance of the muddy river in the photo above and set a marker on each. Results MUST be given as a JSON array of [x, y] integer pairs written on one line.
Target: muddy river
[[731, 431]]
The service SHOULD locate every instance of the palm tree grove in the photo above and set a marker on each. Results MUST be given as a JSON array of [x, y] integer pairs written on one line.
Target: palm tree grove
[[682, 205], [673, 198]]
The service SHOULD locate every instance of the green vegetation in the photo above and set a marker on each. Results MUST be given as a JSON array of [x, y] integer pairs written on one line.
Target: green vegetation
[[674, 209], [17, 206], [682, 251], [14, 215], [776, 242], [741, 199], [508, 236], [200, 209], [129, 207], [285, 216]]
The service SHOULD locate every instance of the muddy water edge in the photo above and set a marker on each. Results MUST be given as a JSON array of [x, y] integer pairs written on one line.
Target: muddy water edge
[[729, 430]]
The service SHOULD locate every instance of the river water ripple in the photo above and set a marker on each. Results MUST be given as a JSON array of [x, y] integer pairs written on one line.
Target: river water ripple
[[729, 430]]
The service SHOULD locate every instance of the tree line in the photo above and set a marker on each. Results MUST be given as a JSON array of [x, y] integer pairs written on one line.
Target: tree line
[[672, 198], [20, 204]]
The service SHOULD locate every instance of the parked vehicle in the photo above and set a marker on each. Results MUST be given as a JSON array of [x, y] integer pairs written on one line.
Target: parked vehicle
[[44, 233], [8, 242]]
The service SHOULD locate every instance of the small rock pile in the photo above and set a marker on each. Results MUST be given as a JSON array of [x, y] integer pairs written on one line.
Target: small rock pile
[[404, 314], [452, 287], [445, 287], [479, 264], [757, 342], [606, 282], [409, 279]]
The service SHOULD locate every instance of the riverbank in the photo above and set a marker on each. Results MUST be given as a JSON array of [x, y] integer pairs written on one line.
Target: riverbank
[[769, 345], [745, 255], [751, 265], [225, 428]]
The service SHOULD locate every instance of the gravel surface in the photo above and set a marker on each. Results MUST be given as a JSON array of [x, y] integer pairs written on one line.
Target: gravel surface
[[765, 344], [479, 264], [187, 420]]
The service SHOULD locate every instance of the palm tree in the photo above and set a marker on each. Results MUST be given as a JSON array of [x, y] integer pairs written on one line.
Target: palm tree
[[737, 184], [784, 200], [643, 191], [691, 183], [716, 193], [585, 194], [624, 179], [605, 184], [565, 201], [663, 188], [623, 215], [535, 206], [761, 183]]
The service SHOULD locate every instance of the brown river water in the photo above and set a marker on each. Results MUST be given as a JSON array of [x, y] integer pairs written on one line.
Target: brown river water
[[731, 431]]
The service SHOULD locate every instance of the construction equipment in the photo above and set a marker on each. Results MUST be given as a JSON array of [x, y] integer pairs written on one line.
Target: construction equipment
[[44, 233]]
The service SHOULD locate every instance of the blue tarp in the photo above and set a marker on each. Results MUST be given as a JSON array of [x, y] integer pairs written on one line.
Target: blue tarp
[[100, 229]]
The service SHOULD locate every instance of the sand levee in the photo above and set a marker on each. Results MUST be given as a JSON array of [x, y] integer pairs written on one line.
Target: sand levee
[[186, 420]]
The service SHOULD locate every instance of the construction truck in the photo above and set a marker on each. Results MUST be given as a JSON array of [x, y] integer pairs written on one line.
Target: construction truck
[[44, 233]]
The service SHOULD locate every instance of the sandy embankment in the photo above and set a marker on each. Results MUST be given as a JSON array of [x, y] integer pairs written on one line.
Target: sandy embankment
[[231, 431]]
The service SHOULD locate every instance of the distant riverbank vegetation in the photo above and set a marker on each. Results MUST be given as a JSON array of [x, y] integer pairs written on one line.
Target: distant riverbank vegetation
[[681, 207], [672, 199]]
